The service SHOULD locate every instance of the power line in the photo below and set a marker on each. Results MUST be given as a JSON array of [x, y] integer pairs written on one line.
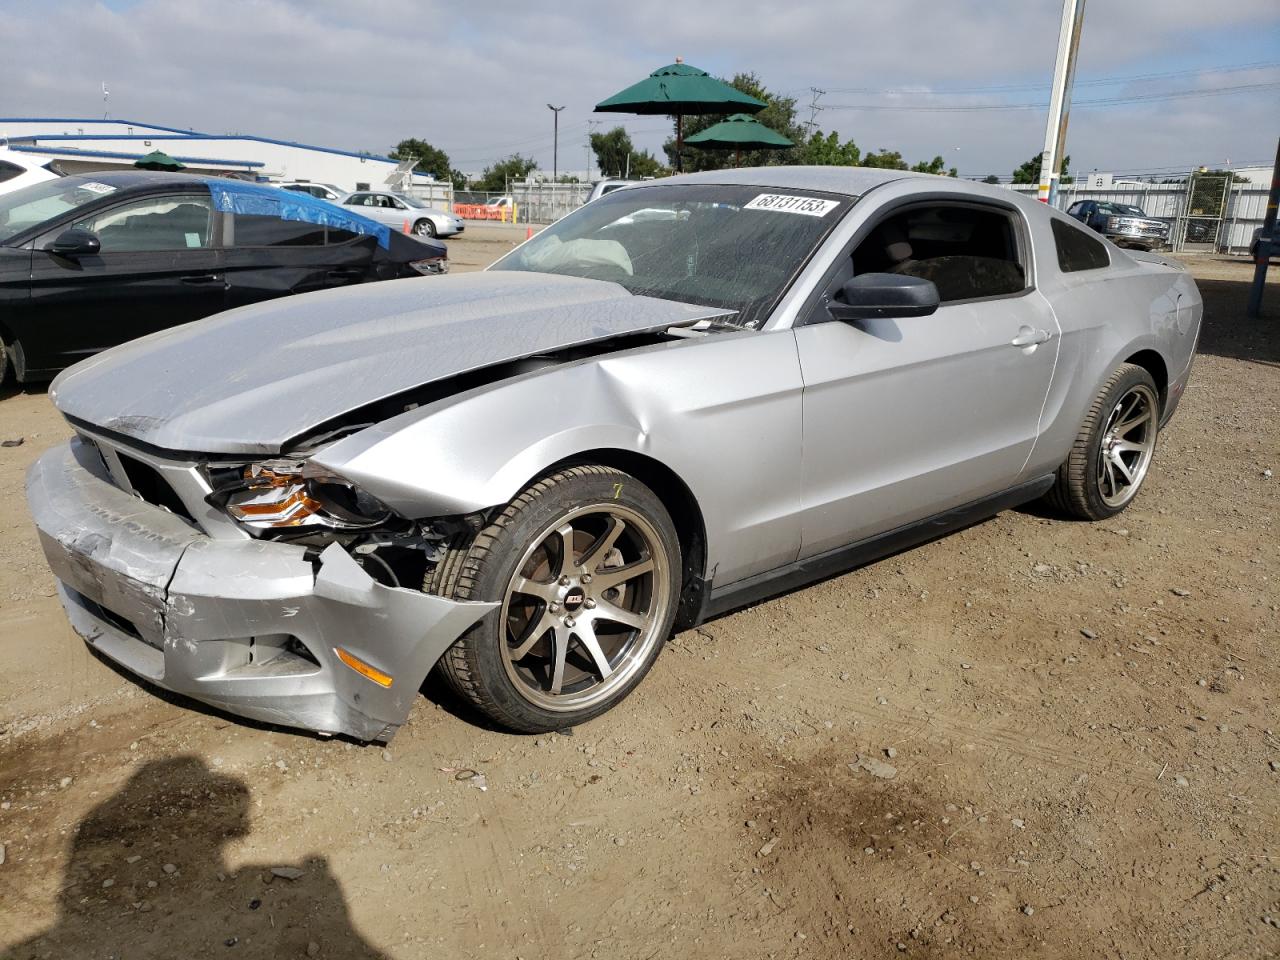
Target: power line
[[1098, 102], [1016, 87]]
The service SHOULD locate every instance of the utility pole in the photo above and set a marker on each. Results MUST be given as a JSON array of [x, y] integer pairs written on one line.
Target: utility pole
[[1064, 69], [591, 128], [814, 109], [555, 149], [106, 94]]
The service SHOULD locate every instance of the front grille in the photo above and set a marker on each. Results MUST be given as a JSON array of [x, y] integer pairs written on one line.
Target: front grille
[[176, 485], [148, 484]]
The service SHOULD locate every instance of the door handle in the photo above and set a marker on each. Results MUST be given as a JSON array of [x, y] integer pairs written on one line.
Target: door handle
[[352, 274], [195, 278], [1029, 336]]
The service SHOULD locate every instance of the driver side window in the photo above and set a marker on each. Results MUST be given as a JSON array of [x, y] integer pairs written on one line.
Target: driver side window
[[968, 252], [157, 223]]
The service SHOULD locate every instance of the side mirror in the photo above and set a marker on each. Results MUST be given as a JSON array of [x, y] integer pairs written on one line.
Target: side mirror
[[884, 295], [76, 242]]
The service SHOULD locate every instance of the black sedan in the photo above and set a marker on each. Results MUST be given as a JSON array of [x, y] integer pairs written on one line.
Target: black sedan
[[87, 262]]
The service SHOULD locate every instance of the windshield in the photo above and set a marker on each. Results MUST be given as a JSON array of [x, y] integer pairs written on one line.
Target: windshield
[[734, 247], [408, 200], [1121, 210], [33, 205]]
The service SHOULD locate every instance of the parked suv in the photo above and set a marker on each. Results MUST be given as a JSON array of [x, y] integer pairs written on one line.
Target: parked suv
[[1122, 223]]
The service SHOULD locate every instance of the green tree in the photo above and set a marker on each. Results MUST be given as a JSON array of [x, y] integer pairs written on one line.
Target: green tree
[[826, 150], [1029, 172], [495, 177], [616, 156], [885, 160], [936, 165], [430, 159], [990, 178]]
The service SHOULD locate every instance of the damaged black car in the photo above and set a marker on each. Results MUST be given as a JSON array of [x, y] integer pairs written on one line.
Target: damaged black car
[[88, 262]]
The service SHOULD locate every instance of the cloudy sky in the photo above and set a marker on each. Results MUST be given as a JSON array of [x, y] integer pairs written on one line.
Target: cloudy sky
[[965, 79]]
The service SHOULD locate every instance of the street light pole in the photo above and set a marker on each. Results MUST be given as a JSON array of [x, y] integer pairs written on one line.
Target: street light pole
[[555, 149], [1064, 68]]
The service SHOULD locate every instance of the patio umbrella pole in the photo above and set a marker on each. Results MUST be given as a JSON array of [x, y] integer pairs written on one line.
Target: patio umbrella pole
[[679, 143], [737, 157]]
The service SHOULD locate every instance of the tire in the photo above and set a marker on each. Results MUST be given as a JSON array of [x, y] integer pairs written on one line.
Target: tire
[[553, 656], [1106, 468], [10, 368], [424, 228]]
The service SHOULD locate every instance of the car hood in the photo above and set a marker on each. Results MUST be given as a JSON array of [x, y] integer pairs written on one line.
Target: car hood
[[250, 380]]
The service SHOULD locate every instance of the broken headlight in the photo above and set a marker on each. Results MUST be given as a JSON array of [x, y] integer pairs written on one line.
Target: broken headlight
[[431, 265], [293, 496]]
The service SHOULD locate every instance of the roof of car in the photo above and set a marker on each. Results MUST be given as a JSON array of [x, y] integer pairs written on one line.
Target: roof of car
[[853, 181], [134, 179]]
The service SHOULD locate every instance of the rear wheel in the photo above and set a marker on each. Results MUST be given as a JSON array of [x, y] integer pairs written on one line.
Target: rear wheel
[[424, 228], [1113, 451], [584, 564]]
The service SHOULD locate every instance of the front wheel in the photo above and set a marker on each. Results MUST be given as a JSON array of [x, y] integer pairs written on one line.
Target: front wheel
[[424, 228], [585, 564], [8, 364], [1113, 451]]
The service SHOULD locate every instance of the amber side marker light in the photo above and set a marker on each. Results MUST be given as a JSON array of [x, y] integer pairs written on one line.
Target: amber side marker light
[[362, 668]]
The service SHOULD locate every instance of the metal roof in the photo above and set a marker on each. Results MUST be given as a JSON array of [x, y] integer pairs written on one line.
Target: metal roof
[[72, 152], [171, 134]]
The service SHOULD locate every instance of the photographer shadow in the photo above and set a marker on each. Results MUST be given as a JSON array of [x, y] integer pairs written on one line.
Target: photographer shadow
[[147, 877]]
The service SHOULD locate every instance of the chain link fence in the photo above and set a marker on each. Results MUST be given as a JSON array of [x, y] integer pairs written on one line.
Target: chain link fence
[[437, 194], [1206, 212], [1212, 212]]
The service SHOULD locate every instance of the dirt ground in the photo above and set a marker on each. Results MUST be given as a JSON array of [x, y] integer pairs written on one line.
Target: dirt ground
[[1081, 718]]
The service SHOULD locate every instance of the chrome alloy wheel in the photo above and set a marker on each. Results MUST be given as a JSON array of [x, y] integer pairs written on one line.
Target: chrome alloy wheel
[[583, 609], [1127, 446]]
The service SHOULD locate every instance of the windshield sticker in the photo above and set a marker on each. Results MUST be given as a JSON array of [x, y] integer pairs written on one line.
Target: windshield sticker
[[93, 187], [809, 206]]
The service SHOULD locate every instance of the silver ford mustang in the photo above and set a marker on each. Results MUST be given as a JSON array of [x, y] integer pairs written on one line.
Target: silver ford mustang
[[686, 396]]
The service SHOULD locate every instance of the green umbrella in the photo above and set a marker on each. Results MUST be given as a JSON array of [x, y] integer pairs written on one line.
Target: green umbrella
[[158, 160], [678, 89], [739, 132]]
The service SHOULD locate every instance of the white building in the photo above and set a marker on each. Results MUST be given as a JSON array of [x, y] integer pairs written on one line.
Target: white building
[[81, 145]]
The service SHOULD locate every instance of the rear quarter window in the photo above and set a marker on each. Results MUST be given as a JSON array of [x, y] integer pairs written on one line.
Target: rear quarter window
[[1077, 250], [260, 231]]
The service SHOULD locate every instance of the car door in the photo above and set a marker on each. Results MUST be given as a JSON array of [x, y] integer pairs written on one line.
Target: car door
[[268, 257], [374, 206], [15, 289], [905, 419], [157, 267]]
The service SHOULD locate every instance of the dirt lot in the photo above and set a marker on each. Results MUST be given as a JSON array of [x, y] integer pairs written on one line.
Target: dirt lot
[[1081, 717]]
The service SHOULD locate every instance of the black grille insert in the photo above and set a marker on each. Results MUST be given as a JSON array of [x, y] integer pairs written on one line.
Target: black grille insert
[[150, 484]]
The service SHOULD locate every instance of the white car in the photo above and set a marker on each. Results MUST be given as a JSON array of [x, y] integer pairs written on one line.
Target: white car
[[608, 185], [408, 214], [18, 170], [322, 191]]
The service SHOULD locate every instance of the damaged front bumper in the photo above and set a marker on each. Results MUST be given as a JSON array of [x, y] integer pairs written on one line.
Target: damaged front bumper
[[249, 626]]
